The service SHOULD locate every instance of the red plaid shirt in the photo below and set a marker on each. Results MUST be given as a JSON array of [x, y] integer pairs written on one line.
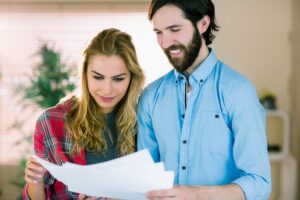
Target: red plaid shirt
[[51, 143]]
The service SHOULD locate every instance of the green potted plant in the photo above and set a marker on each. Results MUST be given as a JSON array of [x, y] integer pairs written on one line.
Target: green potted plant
[[268, 100]]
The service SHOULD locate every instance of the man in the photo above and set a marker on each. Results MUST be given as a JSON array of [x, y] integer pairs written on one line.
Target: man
[[202, 119]]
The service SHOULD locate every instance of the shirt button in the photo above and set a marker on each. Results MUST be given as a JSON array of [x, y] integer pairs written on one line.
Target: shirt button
[[184, 141], [183, 167], [216, 116], [201, 80], [182, 115]]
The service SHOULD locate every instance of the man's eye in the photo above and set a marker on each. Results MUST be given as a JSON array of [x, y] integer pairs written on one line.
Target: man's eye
[[118, 79], [175, 30], [98, 77]]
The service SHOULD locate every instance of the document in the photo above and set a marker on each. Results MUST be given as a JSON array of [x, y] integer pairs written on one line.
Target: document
[[128, 177]]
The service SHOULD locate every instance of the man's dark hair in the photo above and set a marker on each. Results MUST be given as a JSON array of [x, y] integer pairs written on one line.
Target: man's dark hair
[[194, 10]]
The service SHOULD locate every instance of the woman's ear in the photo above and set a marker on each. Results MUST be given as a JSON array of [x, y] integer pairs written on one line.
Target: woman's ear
[[203, 24]]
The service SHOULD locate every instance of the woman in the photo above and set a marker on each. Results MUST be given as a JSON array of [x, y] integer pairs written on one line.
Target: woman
[[99, 125]]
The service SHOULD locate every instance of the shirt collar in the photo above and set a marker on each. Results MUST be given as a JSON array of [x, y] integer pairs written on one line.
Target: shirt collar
[[202, 71]]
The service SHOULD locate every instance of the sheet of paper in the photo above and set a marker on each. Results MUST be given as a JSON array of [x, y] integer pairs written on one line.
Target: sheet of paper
[[128, 177], [111, 194]]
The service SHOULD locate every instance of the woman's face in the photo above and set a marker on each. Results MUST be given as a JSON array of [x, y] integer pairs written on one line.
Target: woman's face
[[108, 80]]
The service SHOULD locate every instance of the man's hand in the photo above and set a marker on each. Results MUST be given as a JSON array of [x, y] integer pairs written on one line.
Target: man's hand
[[226, 192], [178, 192]]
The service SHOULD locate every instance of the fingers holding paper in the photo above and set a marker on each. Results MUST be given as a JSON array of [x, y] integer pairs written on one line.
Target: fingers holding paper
[[85, 197], [34, 172]]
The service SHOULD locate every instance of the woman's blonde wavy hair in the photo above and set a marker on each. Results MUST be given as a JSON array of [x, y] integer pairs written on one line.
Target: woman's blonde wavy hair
[[84, 123]]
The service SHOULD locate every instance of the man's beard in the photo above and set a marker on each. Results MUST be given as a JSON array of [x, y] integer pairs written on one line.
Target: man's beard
[[190, 52]]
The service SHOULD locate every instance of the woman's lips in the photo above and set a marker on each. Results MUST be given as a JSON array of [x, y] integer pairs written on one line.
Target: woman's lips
[[106, 99]]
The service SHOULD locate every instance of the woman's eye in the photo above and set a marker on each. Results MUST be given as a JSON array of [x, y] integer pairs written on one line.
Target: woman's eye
[[118, 79], [98, 77]]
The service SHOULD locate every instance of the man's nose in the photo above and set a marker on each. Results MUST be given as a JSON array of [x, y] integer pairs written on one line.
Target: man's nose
[[166, 42]]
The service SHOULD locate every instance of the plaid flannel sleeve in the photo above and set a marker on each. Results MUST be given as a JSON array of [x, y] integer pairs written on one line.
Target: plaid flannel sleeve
[[41, 129]]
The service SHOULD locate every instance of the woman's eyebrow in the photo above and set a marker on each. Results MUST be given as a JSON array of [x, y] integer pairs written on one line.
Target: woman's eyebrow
[[116, 76], [122, 74], [97, 73]]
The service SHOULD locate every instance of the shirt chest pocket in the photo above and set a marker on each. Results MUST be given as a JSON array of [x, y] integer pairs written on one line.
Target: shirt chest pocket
[[213, 132]]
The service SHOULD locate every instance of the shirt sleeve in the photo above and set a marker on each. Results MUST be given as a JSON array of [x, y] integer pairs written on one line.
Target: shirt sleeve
[[41, 151], [250, 143], [25, 193], [146, 138]]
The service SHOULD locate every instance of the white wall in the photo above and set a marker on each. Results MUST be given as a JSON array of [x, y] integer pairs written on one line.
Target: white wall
[[295, 86], [255, 39]]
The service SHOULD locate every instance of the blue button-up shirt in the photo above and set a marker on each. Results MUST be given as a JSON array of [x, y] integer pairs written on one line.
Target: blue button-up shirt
[[214, 135]]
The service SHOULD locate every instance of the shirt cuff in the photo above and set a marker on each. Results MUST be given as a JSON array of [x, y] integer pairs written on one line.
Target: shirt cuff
[[254, 188], [246, 186], [25, 193]]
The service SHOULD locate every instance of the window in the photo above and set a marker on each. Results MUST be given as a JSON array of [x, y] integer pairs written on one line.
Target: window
[[69, 29]]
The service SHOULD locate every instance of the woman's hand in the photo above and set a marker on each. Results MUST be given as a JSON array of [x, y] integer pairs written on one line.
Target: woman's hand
[[34, 172], [85, 197]]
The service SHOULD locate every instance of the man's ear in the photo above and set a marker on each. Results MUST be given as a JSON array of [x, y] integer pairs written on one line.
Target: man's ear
[[203, 24]]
